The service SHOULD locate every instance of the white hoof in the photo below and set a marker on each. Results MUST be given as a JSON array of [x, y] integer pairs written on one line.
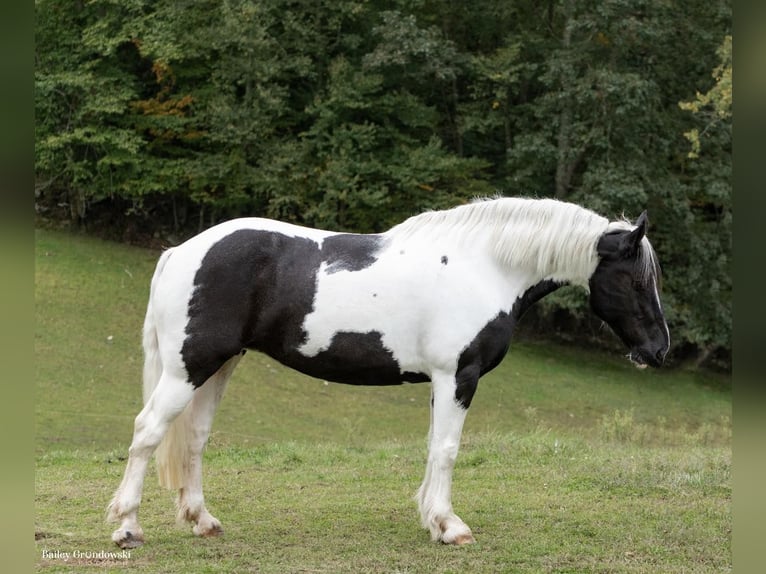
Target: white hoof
[[208, 528], [126, 539], [455, 532]]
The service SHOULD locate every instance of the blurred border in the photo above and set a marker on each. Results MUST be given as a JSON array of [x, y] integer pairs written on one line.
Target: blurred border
[[749, 468], [17, 283]]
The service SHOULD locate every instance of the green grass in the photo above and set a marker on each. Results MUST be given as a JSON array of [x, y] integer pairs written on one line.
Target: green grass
[[571, 461], [536, 504]]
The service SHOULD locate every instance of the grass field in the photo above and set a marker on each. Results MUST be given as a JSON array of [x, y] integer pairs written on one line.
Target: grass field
[[571, 461]]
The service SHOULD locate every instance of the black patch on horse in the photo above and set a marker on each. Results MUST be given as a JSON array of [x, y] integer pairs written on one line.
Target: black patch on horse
[[254, 289], [491, 344], [350, 252], [356, 359]]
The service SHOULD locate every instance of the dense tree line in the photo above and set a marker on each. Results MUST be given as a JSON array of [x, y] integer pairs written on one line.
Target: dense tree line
[[166, 116]]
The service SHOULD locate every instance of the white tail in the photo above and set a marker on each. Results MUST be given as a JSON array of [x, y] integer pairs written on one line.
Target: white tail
[[172, 454]]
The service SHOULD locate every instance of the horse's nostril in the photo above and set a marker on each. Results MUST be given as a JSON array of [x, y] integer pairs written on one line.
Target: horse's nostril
[[661, 355]]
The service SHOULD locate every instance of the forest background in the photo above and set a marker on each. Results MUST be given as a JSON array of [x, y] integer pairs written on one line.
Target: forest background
[[154, 120]]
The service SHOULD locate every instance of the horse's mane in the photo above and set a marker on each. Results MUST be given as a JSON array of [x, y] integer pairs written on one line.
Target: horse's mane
[[552, 238]]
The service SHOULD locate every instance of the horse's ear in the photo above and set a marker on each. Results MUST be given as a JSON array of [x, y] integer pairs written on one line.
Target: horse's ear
[[643, 222], [631, 241]]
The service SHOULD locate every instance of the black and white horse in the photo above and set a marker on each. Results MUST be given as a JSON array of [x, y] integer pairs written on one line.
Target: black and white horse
[[435, 298]]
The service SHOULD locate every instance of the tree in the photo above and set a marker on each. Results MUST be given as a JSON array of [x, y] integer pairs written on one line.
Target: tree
[[705, 319], [84, 143], [714, 106]]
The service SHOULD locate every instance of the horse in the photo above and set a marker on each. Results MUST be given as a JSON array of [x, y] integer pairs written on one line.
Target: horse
[[435, 298]]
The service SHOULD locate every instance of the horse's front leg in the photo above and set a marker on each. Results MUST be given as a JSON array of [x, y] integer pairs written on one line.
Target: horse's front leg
[[435, 495]]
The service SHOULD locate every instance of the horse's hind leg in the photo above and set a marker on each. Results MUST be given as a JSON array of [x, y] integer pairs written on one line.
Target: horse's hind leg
[[191, 502], [169, 398]]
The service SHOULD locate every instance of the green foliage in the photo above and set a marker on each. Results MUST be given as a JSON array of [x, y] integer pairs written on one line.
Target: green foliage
[[353, 115], [714, 105]]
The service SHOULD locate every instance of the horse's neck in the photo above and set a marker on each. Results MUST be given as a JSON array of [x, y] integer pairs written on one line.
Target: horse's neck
[[541, 263], [545, 239]]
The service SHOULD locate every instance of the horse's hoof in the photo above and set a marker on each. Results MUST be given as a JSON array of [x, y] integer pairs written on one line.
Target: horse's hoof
[[458, 535], [127, 539], [209, 531], [462, 539]]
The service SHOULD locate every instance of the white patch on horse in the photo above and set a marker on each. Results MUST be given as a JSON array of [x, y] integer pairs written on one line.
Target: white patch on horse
[[408, 298]]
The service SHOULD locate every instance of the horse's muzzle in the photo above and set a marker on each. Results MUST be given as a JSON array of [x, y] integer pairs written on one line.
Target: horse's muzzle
[[642, 358]]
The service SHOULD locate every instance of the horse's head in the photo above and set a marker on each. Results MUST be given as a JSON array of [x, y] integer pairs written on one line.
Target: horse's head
[[624, 293]]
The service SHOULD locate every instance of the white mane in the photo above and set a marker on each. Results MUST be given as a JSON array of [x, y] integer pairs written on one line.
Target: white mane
[[553, 239]]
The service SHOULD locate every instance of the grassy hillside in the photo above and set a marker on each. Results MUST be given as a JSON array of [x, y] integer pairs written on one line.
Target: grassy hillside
[[572, 460]]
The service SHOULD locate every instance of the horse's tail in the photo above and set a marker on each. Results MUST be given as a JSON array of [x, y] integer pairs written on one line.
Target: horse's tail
[[172, 453], [152, 360]]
